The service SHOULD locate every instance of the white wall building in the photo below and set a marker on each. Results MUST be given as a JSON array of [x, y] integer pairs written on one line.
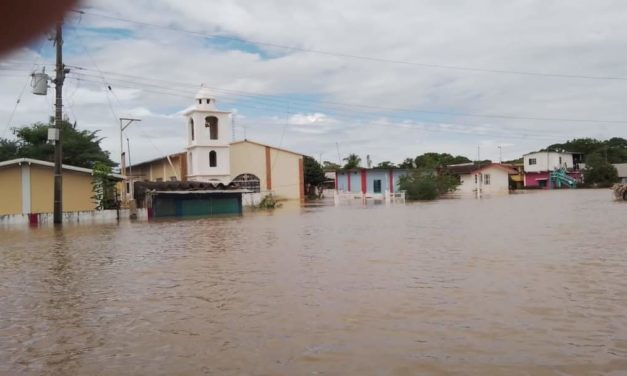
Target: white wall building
[[492, 179], [547, 161], [208, 139]]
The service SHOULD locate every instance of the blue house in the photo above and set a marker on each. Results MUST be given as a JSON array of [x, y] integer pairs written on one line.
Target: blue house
[[371, 182]]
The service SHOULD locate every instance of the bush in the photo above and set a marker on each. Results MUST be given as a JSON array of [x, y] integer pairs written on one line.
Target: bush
[[427, 185]]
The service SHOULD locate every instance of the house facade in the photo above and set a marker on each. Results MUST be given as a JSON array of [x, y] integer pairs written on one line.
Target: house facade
[[27, 187], [538, 167], [491, 179], [373, 181]]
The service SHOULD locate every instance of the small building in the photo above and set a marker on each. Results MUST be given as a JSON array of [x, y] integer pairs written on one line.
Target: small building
[[212, 157], [27, 187], [374, 183], [621, 168], [490, 179], [188, 199], [538, 167]]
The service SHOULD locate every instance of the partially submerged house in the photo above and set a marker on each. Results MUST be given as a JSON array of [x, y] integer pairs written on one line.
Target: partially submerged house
[[185, 199], [477, 179], [375, 183], [539, 167], [27, 187]]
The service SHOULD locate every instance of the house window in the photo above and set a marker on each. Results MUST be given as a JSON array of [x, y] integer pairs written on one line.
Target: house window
[[532, 161], [213, 159], [211, 123], [172, 178], [377, 186], [486, 179], [200, 101], [560, 161], [248, 181], [191, 128], [159, 180], [475, 178], [208, 101]]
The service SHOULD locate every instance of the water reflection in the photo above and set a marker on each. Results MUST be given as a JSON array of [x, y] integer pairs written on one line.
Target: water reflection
[[528, 284]]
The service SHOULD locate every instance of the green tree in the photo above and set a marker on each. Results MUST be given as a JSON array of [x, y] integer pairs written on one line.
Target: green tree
[[613, 150], [313, 176], [599, 172], [407, 163], [434, 160], [426, 184], [330, 166], [352, 161], [81, 148], [386, 164], [103, 187]]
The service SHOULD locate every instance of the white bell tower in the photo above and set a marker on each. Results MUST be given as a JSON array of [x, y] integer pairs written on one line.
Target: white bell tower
[[208, 139]]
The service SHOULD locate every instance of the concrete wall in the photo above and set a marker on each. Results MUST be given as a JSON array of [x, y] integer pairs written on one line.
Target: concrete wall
[[16, 198], [199, 168], [279, 172], [10, 190], [498, 182], [160, 169], [355, 178], [77, 190], [547, 161]]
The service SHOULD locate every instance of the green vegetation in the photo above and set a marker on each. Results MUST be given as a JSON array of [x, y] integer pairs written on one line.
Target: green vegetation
[[434, 160], [613, 150], [352, 161], [80, 148], [103, 186], [313, 176], [599, 172], [330, 166], [268, 202], [386, 164], [427, 184]]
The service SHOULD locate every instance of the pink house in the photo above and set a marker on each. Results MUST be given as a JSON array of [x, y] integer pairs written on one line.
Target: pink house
[[539, 165]]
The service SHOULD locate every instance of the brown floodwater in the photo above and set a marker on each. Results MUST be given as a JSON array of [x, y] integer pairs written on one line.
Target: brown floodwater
[[530, 284]]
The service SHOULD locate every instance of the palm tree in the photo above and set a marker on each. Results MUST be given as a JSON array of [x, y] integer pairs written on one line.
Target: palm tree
[[352, 161]]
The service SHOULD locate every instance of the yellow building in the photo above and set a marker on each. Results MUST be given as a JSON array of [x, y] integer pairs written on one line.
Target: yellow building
[[278, 171], [254, 166], [211, 156], [26, 186]]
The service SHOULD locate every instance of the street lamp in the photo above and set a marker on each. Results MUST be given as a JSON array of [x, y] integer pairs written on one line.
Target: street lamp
[[124, 123]]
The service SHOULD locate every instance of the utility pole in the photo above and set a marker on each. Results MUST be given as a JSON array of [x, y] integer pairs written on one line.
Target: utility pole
[[500, 154], [123, 126], [58, 145]]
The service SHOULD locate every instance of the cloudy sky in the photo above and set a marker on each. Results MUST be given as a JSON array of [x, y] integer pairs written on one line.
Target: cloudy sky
[[329, 78]]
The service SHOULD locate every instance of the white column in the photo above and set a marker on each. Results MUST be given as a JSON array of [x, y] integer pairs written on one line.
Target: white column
[[26, 202]]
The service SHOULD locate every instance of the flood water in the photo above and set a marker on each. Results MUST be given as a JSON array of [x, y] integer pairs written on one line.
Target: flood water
[[530, 284]]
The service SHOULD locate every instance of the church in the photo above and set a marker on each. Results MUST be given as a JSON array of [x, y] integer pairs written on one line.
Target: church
[[212, 156]]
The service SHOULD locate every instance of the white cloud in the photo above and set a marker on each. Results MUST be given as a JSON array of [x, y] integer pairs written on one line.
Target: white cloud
[[319, 102]]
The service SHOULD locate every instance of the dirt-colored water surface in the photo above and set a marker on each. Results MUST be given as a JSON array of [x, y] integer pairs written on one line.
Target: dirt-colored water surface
[[530, 284]]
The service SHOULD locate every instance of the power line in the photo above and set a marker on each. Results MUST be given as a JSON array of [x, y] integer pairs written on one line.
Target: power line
[[352, 116], [356, 57], [373, 107]]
